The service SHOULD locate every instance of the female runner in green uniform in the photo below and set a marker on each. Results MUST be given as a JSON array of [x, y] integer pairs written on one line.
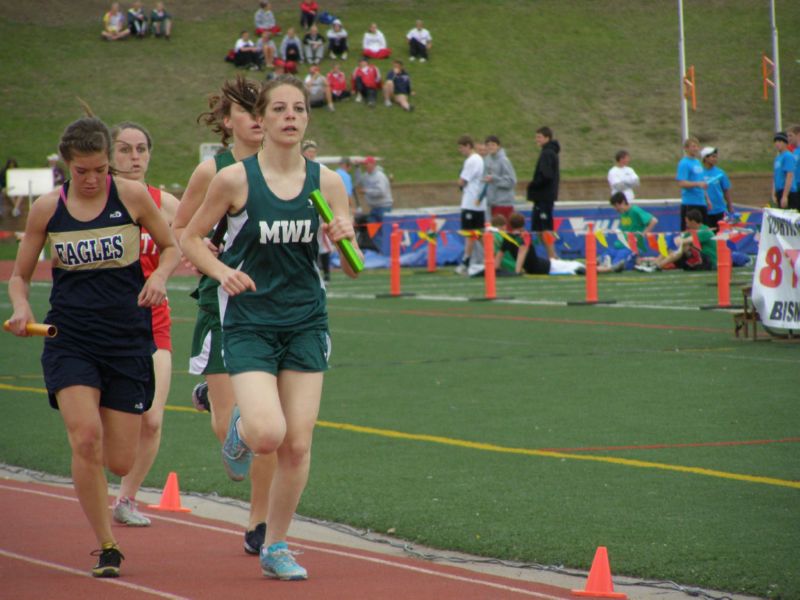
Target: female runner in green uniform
[[272, 302], [231, 115]]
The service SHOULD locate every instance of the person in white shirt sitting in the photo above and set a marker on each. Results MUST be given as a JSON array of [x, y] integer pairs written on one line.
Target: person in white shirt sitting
[[374, 43], [419, 42]]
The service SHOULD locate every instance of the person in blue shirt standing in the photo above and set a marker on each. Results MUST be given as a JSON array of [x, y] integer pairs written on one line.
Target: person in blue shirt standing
[[784, 184], [718, 187], [344, 172], [690, 180]]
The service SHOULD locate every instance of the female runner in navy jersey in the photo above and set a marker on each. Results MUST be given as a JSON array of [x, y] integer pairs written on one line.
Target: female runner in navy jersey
[[99, 368], [132, 146], [231, 115], [272, 302]]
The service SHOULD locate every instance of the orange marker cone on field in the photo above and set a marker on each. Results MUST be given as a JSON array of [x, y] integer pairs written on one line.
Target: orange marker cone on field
[[599, 584], [171, 497]]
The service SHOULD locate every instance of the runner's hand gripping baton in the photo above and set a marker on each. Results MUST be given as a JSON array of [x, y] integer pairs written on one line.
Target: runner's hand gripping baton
[[37, 329], [345, 247]]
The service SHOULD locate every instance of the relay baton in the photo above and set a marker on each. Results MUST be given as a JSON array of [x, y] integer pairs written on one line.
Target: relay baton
[[42, 329], [345, 247]]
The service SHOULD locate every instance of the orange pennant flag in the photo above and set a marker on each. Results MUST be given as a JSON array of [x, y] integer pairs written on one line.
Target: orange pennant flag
[[633, 244], [548, 238], [372, 229], [652, 241], [695, 239]]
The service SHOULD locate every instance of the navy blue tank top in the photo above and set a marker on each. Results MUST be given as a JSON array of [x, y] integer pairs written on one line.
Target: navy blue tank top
[[96, 281]]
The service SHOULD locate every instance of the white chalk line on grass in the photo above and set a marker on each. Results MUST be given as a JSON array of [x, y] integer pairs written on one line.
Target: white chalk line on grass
[[307, 546], [57, 567]]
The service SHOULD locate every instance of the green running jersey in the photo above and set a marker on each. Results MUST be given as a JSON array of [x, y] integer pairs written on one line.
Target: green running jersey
[[275, 242]]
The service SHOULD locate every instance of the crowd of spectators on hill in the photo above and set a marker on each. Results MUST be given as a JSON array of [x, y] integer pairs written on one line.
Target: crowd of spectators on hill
[[307, 46], [136, 23], [321, 37]]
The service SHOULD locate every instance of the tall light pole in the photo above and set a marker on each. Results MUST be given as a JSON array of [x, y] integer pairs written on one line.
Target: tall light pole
[[682, 59], [776, 92]]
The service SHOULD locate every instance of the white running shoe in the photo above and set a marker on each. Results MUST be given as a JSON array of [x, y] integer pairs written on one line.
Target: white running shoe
[[125, 512]]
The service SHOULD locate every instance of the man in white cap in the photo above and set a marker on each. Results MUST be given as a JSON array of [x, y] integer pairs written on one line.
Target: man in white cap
[[58, 173], [337, 41], [718, 188]]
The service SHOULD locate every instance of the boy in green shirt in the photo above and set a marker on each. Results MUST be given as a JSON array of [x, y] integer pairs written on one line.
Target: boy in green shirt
[[688, 256]]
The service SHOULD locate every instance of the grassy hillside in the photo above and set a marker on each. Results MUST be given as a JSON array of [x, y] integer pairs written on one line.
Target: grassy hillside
[[602, 73]]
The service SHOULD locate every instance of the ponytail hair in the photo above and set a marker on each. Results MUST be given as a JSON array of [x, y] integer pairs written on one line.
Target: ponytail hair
[[241, 91], [88, 135]]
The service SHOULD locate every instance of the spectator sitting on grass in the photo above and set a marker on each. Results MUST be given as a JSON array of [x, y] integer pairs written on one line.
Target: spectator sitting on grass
[[265, 20], [246, 54], [634, 219], [291, 50], [696, 247], [419, 42], [161, 21], [313, 46], [397, 87], [115, 25], [279, 68], [517, 243], [337, 41], [319, 90], [267, 48], [337, 81], [374, 43], [308, 14], [137, 21], [366, 82]]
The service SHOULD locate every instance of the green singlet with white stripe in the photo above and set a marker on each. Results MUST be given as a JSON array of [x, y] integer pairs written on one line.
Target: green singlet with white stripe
[[275, 242], [206, 292]]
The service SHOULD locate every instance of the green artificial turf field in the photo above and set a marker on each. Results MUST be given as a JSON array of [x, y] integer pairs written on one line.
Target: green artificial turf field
[[524, 430]]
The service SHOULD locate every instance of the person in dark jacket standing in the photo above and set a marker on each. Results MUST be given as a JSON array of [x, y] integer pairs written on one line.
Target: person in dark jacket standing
[[543, 189]]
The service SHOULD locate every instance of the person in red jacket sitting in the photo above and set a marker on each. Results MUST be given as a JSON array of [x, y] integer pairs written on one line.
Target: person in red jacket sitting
[[337, 81], [366, 82], [308, 14]]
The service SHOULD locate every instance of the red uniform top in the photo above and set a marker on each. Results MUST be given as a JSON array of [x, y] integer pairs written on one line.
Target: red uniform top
[[148, 258], [337, 81], [370, 76], [148, 251], [309, 7]]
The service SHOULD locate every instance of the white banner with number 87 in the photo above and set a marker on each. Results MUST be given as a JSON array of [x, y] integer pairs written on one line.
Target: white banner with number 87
[[776, 285]]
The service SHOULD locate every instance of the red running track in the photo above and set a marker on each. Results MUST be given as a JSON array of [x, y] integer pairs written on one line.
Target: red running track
[[45, 543]]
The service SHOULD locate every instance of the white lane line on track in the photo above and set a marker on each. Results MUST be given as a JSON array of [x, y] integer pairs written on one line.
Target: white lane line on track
[[215, 528], [57, 567]]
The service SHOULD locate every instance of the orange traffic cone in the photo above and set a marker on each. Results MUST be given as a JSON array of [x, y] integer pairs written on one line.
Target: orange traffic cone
[[171, 497], [599, 584]]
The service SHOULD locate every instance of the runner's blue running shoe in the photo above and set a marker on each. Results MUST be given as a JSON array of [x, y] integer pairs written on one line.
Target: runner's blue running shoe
[[277, 562], [236, 456]]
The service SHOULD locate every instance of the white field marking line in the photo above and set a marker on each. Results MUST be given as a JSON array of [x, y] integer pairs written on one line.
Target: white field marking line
[[217, 529], [70, 570]]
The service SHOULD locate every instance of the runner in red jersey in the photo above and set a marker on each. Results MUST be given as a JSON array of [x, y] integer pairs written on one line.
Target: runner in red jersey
[[132, 145]]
